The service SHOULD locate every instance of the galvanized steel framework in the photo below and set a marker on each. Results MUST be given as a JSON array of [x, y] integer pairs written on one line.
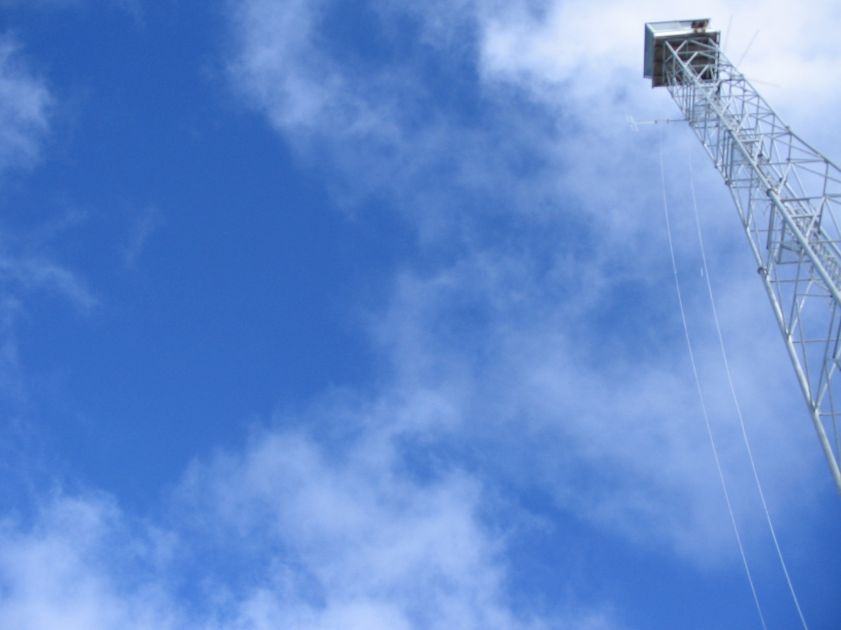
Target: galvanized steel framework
[[788, 197]]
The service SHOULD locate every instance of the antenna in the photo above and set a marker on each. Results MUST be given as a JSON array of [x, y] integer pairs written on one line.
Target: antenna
[[787, 195]]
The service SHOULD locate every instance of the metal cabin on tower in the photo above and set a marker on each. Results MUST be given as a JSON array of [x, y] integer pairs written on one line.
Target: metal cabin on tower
[[687, 35]]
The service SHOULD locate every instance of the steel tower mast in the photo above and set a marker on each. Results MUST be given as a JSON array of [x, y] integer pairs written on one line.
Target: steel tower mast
[[788, 196]]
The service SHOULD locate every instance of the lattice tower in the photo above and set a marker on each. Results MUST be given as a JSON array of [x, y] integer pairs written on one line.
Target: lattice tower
[[788, 196]]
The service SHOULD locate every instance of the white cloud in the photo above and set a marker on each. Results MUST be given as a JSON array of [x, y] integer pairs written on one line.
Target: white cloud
[[24, 274], [376, 549], [593, 386], [66, 571], [146, 221], [25, 105], [376, 128], [34, 273], [606, 421], [24, 108], [287, 533]]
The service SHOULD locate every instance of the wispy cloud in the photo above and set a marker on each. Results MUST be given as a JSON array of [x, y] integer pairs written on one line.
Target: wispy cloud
[[380, 129], [37, 273], [24, 108], [24, 277], [146, 221]]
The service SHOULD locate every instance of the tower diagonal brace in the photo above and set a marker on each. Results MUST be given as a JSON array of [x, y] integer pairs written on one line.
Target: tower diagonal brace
[[788, 197]]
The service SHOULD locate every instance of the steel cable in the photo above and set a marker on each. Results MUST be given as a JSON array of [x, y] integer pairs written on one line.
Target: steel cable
[[700, 392], [733, 391]]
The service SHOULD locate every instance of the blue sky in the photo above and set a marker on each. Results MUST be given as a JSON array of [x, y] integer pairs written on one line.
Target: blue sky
[[360, 315]]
